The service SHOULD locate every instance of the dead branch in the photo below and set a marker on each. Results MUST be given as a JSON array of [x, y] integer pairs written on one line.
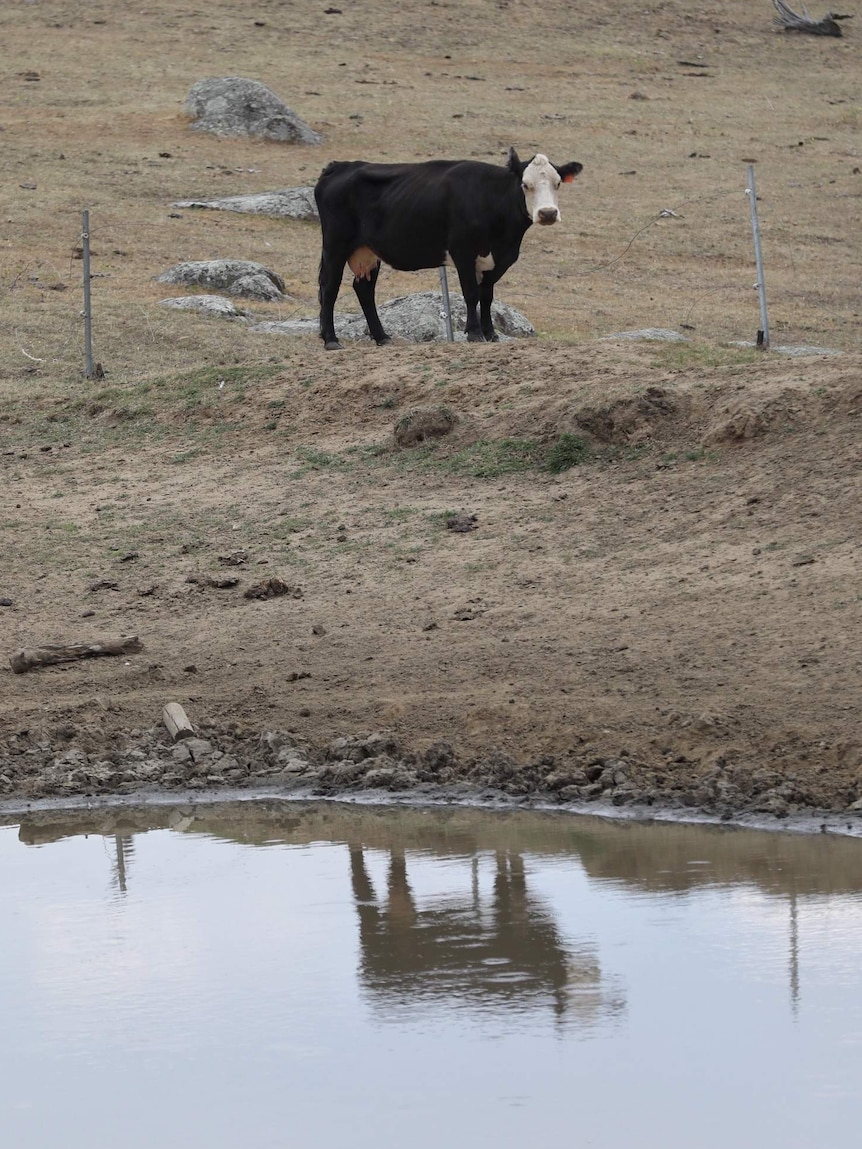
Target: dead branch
[[790, 21], [50, 655]]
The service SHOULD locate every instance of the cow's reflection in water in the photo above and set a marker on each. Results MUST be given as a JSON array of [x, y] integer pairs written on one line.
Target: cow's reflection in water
[[473, 949]]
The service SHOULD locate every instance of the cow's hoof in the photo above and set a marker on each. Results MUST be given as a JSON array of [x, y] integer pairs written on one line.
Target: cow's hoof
[[332, 345], [475, 337], [385, 341], [492, 338]]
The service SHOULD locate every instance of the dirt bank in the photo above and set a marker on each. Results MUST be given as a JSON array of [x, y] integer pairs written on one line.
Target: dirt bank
[[672, 620]]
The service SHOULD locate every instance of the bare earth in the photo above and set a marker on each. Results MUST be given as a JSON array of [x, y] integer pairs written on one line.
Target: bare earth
[[672, 623]]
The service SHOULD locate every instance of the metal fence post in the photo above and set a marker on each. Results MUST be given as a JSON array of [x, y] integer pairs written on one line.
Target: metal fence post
[[447, 308], [763, 333], [89, 371]]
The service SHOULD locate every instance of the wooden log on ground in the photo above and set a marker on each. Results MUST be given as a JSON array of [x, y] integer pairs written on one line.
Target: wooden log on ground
[[791, 21], [26, 660], [177, 722]]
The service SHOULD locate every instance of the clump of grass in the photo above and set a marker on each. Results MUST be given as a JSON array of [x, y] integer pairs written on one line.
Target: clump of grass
[[491, 458], [568, 451], [316, 460], [422, 424], [679, 356]]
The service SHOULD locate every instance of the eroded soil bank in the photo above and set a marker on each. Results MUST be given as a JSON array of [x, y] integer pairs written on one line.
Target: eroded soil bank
[[147, 767], [672, 622]]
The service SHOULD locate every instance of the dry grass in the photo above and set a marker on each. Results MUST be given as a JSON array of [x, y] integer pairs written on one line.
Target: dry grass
[[102, 127]]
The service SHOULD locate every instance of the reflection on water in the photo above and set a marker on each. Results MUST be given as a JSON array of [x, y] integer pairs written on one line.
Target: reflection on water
[[125, 848], [384, 974], [503, 947]]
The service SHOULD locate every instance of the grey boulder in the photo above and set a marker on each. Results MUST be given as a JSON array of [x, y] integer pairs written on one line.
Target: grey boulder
[[239, 277], [416, 318], [289, 203], [232, 106], [216, 305]]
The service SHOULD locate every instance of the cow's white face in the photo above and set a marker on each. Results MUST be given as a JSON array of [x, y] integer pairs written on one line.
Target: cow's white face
[[541, 182]]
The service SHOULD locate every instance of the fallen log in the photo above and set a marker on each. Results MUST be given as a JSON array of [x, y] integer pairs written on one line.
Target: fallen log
[[177, 722], [26, 660]]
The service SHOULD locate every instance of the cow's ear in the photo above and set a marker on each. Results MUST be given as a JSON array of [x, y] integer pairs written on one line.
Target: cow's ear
[[515, 165], [568, 171]]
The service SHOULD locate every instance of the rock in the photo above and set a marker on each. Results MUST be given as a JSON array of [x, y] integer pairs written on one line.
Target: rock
[[772, 802], [359, 749], [291, 762], [378, 743], [802, 350], [291, 327], [219, 765], [340, 749], [198, 748], [274, 740], [72, 759], [565, 779], [233, 106], [623, 795], [236, 276], [289, 203], [439, 755], [256, 286], [650, 334], [208, 304], [416, 318], [150, 770], [795, 351], [344, 772], [388, 775]]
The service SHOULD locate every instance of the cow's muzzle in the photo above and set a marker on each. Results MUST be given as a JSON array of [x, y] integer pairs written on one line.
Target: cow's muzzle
[[548, 215]]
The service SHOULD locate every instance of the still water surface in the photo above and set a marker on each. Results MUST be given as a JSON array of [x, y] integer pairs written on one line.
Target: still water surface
[[334, 977]]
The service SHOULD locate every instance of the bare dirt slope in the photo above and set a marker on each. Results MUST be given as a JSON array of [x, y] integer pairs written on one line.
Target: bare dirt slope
[[675, 618]]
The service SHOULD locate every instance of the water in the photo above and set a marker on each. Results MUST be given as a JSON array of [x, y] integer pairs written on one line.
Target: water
[[333, 977]]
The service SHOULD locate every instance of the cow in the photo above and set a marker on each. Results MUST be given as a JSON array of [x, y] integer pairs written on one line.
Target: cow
[[421, 215]]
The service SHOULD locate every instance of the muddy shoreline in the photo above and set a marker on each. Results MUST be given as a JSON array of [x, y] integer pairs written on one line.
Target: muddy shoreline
[[145, 769]]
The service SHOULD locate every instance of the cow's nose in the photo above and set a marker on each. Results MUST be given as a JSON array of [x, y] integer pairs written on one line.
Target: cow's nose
[[548, 214]]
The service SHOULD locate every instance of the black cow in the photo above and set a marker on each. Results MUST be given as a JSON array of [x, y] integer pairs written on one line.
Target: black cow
[[416, 215]]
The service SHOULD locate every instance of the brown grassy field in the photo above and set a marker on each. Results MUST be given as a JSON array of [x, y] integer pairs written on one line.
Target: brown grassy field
[[687, 594]]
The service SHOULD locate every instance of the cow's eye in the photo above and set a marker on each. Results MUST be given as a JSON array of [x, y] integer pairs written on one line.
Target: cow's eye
[[525, 185]]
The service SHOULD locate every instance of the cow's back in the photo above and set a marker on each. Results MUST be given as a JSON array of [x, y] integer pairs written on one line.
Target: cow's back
[[344, 180], [405, 212]]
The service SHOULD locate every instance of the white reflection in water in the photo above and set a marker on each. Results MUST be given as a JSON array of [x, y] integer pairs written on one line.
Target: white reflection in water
[[332, 977]]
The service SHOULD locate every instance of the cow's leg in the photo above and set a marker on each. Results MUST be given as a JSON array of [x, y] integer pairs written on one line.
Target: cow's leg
[[486, 298], [466, 268], [364, 286], [331, 269]]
